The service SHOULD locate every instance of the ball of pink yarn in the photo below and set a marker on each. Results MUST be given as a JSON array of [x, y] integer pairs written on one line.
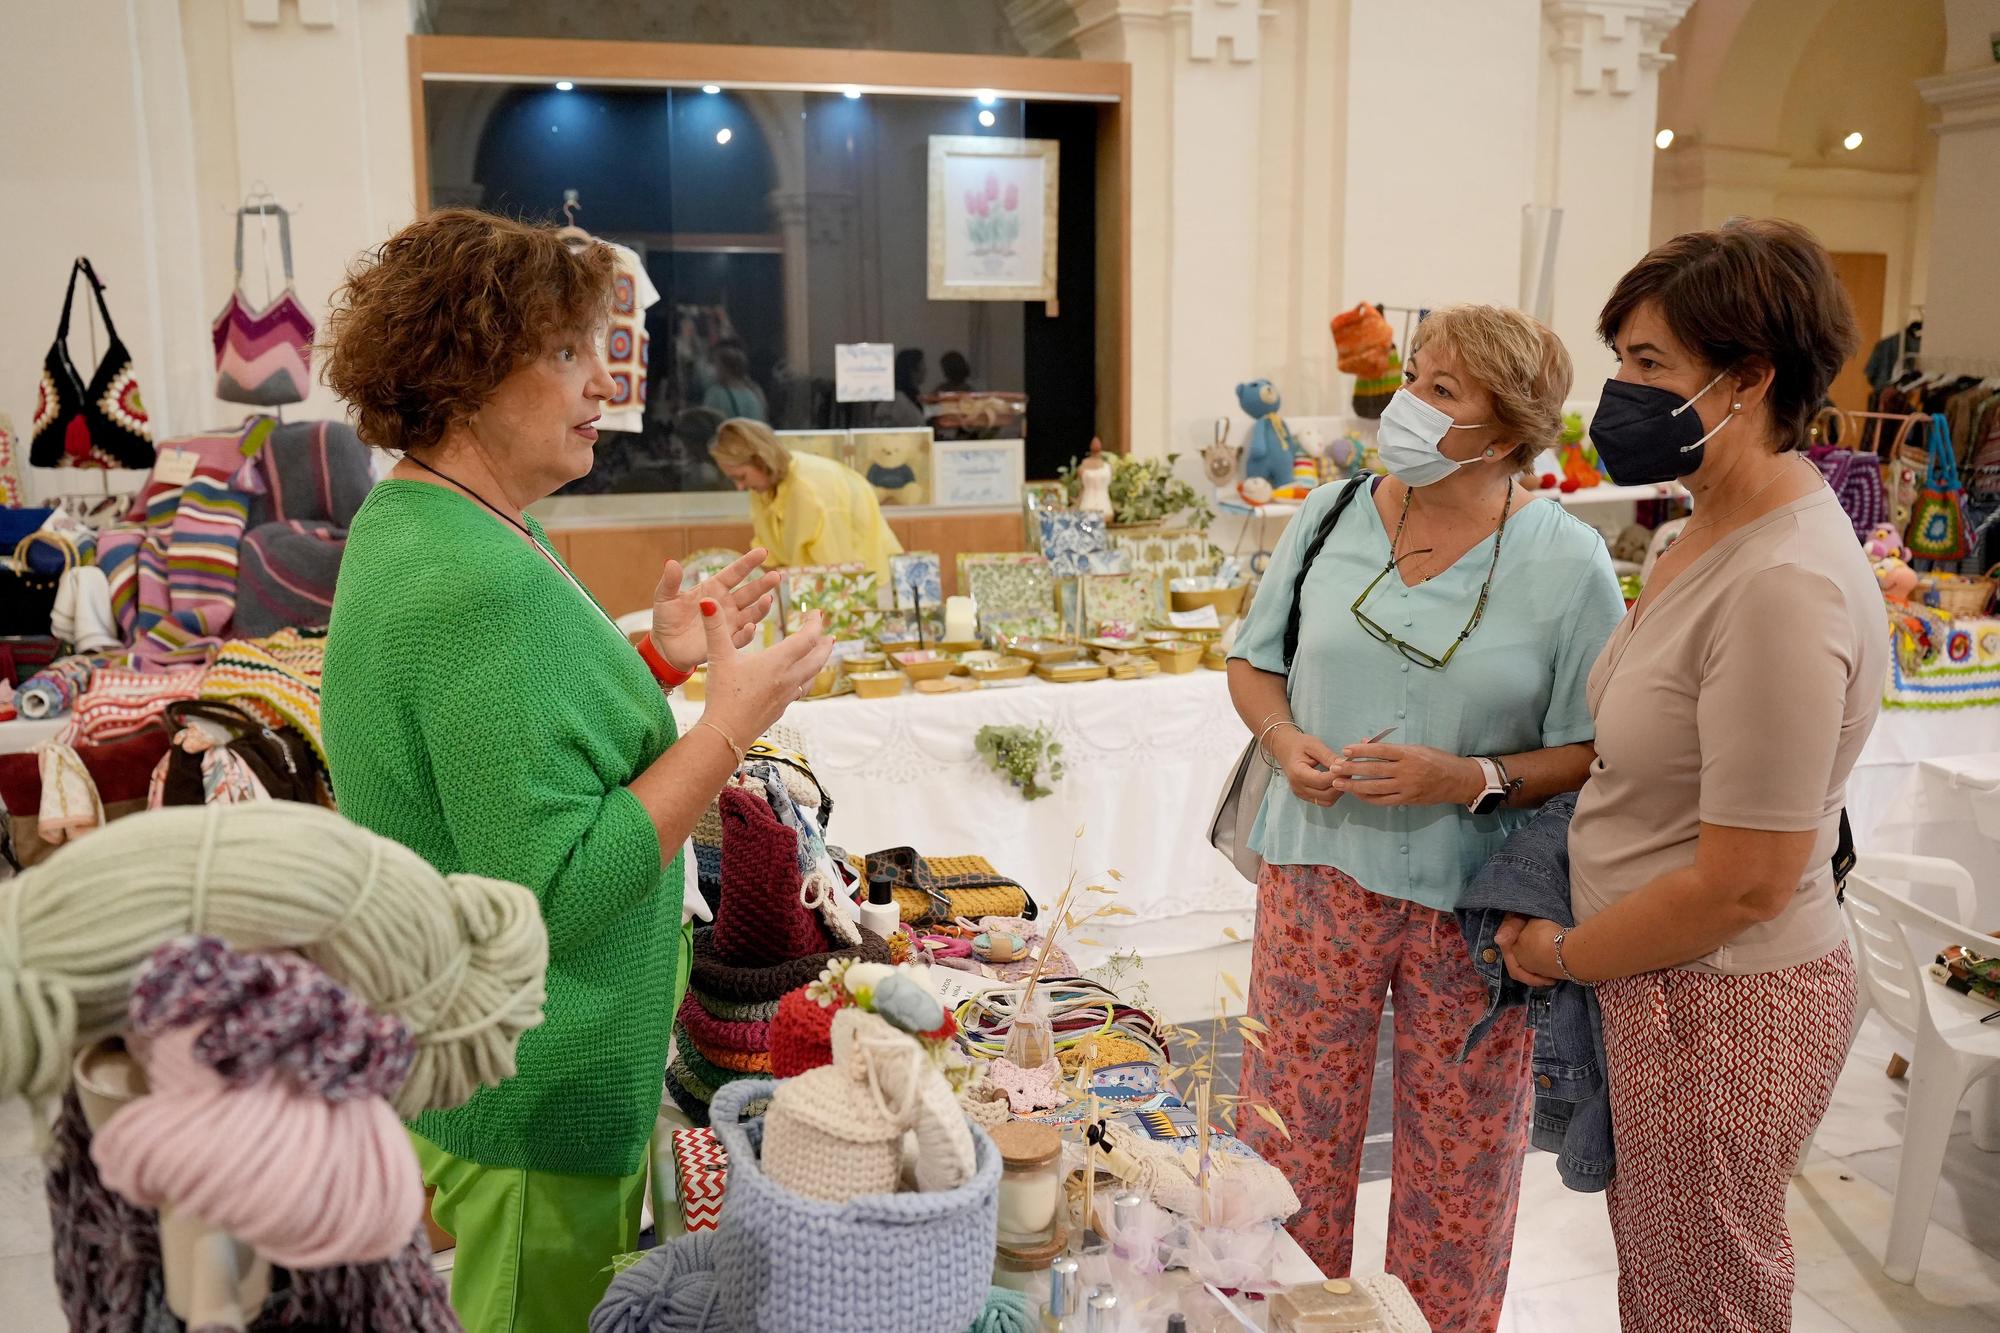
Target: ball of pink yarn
[[309, 1182]]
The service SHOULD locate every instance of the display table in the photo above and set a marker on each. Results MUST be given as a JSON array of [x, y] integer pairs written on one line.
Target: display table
[[21, 734], [1951, 808], [1903, 739], [1146, 760]]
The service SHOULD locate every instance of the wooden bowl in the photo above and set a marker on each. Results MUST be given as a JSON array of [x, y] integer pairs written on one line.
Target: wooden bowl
[[1044, 651], [1071, 673], [894, 646], [957, 646], [1178, 658], [823, 682], [1226, 601], [1004, 668], [878, 684], [858, 662], [695, 688], [1214, 658], [924, 665]]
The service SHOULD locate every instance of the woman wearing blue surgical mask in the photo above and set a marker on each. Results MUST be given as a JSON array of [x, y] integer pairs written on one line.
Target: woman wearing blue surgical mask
[[1730, 708], [1413, 669]]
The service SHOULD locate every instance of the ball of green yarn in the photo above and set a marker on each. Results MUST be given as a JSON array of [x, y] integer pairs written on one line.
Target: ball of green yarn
[[1006, 1312]]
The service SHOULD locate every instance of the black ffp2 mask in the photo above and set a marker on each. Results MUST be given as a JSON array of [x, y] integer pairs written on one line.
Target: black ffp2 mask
[[1646, 435]]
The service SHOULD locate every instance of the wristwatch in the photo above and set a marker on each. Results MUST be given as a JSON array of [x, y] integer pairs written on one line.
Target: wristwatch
[[1499, 787]]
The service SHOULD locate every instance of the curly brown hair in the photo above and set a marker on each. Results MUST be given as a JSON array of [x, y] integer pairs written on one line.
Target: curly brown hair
[[426, 326], [1752, 290]]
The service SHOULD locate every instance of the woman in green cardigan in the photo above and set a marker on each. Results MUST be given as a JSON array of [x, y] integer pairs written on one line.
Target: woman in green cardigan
[[481, 708]]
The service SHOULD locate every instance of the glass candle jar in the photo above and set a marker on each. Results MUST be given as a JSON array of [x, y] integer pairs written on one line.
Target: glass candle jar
[[1030, 1182]]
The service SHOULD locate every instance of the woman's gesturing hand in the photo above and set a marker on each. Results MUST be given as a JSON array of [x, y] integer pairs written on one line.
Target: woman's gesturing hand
[[748, 692], [742, 601], [1406, 775]]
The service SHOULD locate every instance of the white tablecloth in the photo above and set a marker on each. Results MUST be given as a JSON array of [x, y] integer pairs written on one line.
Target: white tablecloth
[[1950, 807], [1145, 758], [1904, 738]]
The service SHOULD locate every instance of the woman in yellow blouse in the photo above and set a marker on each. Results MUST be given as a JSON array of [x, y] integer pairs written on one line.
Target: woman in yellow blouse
[[804, 509]]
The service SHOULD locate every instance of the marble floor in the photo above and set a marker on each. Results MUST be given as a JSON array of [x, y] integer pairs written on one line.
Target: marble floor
[[1564, 1274]]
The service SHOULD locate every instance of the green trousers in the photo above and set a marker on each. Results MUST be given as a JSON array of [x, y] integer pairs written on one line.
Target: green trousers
[[534, 1247]]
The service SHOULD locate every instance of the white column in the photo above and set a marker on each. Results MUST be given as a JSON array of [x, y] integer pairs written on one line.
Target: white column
[[1603, 65], [1962, 316]]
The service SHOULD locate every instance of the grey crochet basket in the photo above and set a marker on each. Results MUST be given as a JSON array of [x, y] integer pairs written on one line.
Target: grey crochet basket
[[884, 1263]]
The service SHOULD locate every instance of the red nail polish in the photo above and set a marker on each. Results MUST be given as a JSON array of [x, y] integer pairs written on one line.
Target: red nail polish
[[709, 606]]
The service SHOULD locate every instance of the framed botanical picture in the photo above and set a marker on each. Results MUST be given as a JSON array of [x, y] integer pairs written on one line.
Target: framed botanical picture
[[992, 218]]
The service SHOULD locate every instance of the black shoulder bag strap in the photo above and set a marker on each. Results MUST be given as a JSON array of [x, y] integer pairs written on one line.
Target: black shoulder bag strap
[[1306, 558], [1843, 858]]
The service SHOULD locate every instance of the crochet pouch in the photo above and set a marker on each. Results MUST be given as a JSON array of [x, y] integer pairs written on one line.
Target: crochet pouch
[[885, 1263], [945, 888]]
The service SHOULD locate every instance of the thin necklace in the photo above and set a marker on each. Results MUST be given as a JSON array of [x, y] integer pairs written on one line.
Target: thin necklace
[[475, 495], [1501, 531], [1777, 476]]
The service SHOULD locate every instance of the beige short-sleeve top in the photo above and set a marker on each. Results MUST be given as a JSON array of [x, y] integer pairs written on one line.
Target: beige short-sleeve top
[[1742, 698]]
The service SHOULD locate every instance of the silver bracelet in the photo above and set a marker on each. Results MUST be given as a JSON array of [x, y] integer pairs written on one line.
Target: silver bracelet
[[1269, 761], [1563, 967]]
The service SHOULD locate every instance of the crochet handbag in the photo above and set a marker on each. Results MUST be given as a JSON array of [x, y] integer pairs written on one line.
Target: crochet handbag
[[761, 919], [257, 762], [945, 888], [263, 357], [1938, 530], [884, 1263], [101, 423]]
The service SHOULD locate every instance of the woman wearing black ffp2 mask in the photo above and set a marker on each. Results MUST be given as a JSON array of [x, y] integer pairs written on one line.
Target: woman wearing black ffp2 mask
[[1646, 434]]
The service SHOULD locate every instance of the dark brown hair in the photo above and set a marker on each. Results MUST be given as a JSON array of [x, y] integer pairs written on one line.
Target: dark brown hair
[[426, 327], [1753, 289]]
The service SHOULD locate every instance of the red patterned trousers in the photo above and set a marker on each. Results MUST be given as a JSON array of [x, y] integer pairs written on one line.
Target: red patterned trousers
[[1716, 1083], [1326, 953]]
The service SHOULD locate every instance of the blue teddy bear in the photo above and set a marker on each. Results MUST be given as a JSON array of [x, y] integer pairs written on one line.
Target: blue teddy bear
[[1271, 448]]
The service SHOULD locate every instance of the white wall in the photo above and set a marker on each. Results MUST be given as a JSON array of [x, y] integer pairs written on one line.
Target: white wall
[[1962, 316], [140, 165]]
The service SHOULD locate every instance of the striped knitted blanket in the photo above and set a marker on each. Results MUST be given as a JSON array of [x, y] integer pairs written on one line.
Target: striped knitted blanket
[[276, 679]]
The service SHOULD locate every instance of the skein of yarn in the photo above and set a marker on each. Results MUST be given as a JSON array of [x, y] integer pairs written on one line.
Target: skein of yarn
[[457, 958], [266, 1116], [671, 1290]]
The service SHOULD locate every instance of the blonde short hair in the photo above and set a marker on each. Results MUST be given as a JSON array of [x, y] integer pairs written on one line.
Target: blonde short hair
[[740, 440], [1515, 358]]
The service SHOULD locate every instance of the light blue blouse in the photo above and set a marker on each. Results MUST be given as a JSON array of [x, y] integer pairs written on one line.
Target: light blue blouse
[[1517, 684]]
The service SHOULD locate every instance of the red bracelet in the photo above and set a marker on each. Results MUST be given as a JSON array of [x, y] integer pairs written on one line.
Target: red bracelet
[[663, 670]]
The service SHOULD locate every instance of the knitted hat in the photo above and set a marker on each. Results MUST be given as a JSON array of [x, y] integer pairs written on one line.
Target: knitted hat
[[734, 1011], [760, 919], [720, 1033], [1373, 392], [716, 975], [1363, 339], [801, 1035]]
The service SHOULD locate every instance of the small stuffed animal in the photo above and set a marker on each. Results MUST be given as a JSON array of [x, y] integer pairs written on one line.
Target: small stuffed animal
[[892, 471], [1897, 579], [1271, 448], [1885, 543]]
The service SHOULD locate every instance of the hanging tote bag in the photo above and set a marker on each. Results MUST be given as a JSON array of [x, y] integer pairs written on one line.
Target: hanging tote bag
[[1905, 469], [1938, 530], [101, 423], [263, 357], [1243, 794]]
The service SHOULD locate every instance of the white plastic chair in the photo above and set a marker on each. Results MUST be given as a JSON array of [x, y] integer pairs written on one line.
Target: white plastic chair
[[1896, 940]]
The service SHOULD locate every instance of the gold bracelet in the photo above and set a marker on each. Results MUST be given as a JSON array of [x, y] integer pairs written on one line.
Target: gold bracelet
[[734, 748]]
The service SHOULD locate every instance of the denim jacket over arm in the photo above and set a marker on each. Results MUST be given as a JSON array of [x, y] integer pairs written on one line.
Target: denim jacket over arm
[[1572, 1117]]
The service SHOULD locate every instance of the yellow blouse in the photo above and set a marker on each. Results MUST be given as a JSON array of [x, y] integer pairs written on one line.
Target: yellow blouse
[[823, 513]]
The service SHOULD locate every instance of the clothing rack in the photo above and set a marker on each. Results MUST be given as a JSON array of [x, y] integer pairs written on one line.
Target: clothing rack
[[1413, 315]]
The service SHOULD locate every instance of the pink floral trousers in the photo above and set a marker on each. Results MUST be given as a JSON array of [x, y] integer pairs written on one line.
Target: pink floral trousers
[[1326, 953]]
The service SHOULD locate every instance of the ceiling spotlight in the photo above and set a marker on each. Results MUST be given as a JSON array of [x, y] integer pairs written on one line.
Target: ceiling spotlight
[[711, 88], [1663, 140], [564, 85], [986, 97], [986, 119], [851, 94], [1852, 141], [724, 135]]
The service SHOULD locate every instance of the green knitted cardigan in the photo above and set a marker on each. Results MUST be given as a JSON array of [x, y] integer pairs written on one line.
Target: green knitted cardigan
[[480, 710]]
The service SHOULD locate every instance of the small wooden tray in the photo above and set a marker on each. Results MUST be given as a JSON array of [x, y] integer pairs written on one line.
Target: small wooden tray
[[1072, 673]]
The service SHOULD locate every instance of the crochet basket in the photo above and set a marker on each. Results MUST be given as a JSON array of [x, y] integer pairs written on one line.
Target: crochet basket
[[885, 1263]]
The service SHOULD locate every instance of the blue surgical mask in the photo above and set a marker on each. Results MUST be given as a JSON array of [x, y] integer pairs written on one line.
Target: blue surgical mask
[[1408, 440]]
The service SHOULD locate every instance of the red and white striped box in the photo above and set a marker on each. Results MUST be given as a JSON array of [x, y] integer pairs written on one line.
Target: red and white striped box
[[700, 1170]]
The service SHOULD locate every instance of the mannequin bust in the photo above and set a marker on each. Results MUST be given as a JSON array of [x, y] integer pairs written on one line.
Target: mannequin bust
[[1095, 474], [212, 1280]]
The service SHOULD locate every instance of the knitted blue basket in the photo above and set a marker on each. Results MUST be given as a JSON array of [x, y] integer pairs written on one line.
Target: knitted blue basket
[[884, 1263]]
